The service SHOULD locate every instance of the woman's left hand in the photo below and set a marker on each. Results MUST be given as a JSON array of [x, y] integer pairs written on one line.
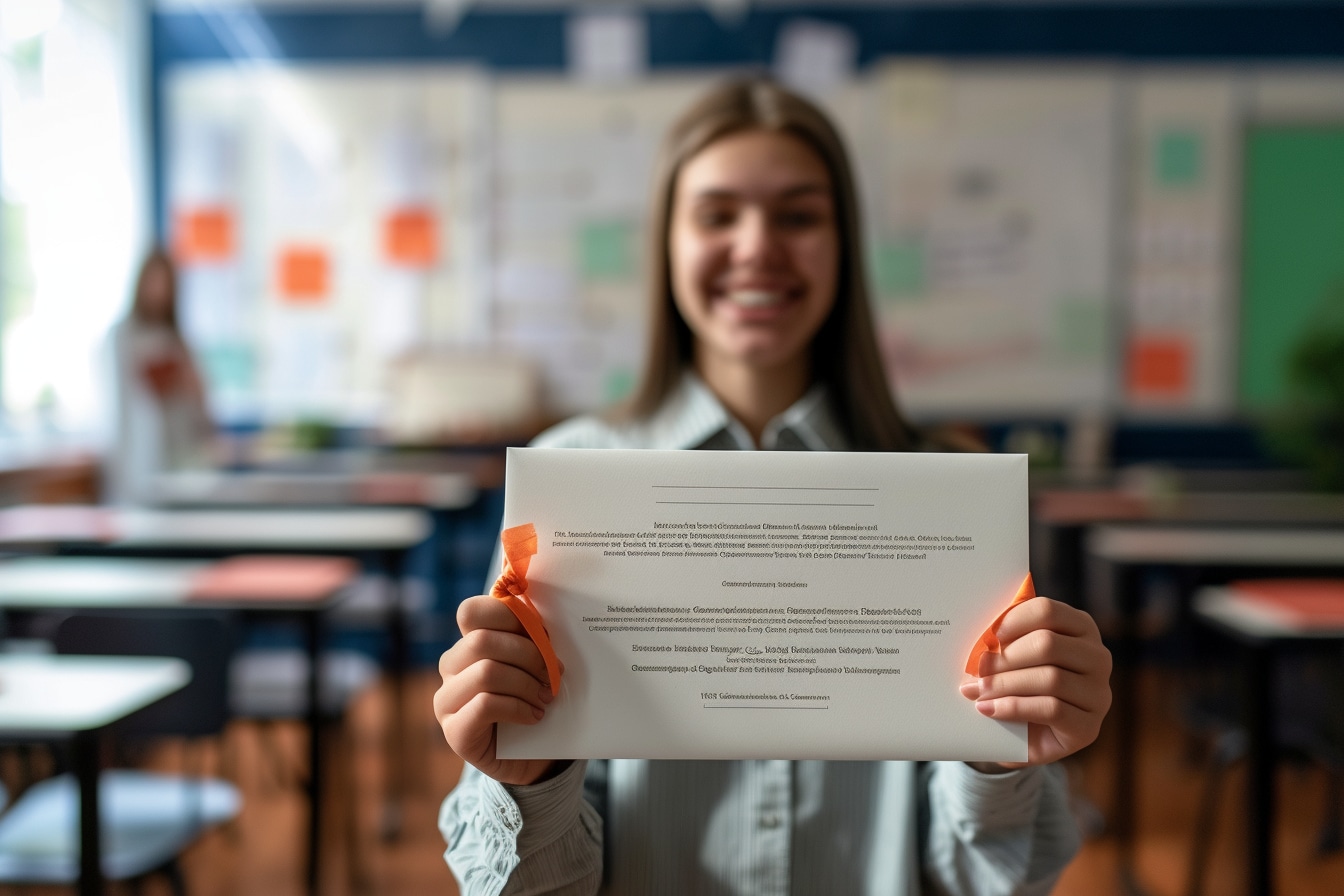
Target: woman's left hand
[[1053, 673]]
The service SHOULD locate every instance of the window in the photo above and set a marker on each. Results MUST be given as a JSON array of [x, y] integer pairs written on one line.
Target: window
[[73, 212]]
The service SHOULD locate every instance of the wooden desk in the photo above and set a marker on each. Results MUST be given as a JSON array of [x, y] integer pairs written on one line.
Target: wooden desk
[[1060, 518], [1265, 508], [65, 527], [1217, 546], [79, 697], [105, 583], [387, 534], [279, 489], [484, 465], [1260, 635], [1218, 553]]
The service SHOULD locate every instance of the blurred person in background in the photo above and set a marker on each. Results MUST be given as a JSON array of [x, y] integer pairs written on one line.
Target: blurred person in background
[[162, 421]]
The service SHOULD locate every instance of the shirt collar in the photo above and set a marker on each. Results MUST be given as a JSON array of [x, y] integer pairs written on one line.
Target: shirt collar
[[693, 416]]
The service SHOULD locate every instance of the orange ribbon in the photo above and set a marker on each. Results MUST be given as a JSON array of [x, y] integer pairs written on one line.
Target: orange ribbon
[[989, 641], [520, 544]]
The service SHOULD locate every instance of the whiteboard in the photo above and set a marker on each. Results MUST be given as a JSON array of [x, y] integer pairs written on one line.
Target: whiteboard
[[1041, 238], [355, 199], [573, 183], [1179, 258], [992, 227]]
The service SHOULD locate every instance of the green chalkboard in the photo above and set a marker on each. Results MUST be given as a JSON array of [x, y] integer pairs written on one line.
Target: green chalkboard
[[1293, 247]]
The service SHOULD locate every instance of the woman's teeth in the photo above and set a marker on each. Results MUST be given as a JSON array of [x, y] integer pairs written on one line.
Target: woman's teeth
[[755, 298]]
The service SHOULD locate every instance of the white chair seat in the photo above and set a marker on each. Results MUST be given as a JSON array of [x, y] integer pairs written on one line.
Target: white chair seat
[[147, 819], [271, 683]]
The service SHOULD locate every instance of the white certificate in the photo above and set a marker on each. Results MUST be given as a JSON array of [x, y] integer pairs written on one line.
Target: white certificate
[[767, 605]]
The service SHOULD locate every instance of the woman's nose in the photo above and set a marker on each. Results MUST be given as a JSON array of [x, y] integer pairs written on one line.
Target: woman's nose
[[754, 240]]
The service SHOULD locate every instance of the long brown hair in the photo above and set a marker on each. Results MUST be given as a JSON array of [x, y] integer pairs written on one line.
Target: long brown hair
[[844, 351], [160, 259]]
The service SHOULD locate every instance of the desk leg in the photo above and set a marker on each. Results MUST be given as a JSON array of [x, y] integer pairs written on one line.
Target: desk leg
[[84, 755], [395, 562], [1258, 670], [312, 643], [1068, 564], [1125, 718]]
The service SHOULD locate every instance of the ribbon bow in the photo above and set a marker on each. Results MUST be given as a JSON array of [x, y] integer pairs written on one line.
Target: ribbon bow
[[989, 641], [520, 544]]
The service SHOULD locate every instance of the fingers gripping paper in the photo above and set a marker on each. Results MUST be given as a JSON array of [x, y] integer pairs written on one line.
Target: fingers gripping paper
[[520, 545], [989, 641]]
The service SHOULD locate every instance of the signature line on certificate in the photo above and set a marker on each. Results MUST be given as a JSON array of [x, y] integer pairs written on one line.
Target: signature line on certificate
[[779, 488], [755, 706]]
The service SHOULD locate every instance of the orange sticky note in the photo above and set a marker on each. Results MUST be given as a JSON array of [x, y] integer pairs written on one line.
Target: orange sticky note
[[1158, 366], [303, 274], [989, 640], [520, 544], [410, 237], [203, 234]]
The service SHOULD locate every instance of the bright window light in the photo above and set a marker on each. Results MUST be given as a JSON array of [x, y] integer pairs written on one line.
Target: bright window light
[[70, 216], [22, 20]]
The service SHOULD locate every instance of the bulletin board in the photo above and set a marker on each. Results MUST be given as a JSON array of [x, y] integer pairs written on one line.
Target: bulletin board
[[1294, 247], [990, 191], [1104, 200], [574, 166], [1177, 259], [327, 220]]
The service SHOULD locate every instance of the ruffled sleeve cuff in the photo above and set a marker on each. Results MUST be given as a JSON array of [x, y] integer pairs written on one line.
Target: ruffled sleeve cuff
[[549, 807], [987, 801], [482, 825]]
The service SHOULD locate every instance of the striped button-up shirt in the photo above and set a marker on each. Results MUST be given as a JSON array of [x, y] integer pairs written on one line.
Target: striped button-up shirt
[[759, 827]]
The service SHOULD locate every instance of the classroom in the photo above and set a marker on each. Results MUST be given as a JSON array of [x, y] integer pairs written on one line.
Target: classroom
[[286, 284]]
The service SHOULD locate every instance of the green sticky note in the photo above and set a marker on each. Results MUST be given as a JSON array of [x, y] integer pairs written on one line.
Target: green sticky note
[[898, 269], [1178, 158], [1080, 329], [230, 367], [606, 250]]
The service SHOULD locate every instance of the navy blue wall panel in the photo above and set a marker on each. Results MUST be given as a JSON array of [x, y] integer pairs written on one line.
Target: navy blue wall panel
[[534, 40], [508, 40]]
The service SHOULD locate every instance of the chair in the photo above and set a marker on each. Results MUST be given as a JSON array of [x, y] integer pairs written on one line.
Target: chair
[[1307, 729], [148, 818], [268, 685], [271, 683]]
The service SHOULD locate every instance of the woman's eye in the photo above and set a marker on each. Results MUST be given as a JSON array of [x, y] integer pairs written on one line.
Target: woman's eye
[[713, 219], [799, 219]]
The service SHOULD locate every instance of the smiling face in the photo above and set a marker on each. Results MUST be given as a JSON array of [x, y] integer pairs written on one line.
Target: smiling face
[[754, 252]]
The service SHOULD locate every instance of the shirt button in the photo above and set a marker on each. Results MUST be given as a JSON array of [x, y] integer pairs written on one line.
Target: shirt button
[[771, 821]]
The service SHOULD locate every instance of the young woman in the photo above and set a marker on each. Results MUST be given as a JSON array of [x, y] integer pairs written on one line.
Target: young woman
[[762, 339], [162, 421]]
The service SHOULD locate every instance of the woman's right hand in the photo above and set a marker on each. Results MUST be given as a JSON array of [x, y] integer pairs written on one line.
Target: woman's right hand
[[495, 673]]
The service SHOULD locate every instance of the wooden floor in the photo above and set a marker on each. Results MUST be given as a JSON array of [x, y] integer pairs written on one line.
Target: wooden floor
[[260, 855]]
